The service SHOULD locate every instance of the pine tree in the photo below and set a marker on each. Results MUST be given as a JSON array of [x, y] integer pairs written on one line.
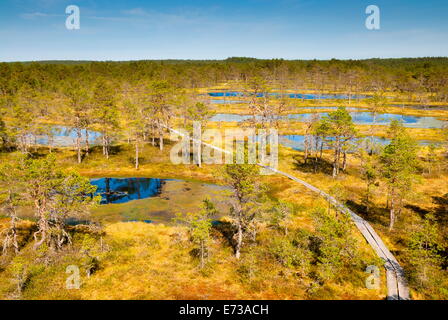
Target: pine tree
[[370, 174], [159, 101], [377, 105], [280, 216], [424, 253], [338, 249], [10, 200], [246, 200], [77, 115], [3, 134], [106, 112], [199, 113], [398, 167], [21, 119], [135, 124], [55, 196], [199, 225], [339, 130]]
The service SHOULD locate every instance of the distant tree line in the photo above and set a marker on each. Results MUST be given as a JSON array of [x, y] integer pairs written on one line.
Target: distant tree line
[[413, 78]]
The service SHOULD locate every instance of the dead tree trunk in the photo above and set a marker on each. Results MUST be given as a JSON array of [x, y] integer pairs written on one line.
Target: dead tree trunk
[[239, 240], [344, 161], [78, 143], [87, 142], [136, 154], [161, 138]]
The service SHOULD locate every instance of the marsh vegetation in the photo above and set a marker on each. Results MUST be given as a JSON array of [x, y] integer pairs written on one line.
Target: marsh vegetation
[[86, 179]]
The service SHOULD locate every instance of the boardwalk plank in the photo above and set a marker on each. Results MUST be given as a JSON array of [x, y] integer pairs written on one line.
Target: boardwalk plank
[[397, 288]]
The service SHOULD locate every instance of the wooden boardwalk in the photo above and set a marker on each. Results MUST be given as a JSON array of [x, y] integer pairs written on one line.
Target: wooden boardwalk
[[397, 288]]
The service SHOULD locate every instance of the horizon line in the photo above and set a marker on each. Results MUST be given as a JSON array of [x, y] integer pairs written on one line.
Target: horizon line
[[224, 59]]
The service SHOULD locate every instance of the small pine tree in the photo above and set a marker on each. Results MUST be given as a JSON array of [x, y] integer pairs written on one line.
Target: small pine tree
[[370, 174], [246, 200], [55, 196], [398, 166], [106, 112], [280, 215], [424, 249], [339, 130], [199, 225], [10, 200], [338, 248]]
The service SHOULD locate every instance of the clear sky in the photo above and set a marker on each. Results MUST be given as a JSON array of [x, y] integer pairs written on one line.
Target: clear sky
[[210, 29]]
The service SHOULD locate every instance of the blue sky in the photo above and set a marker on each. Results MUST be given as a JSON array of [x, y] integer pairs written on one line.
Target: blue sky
[[187, 29]]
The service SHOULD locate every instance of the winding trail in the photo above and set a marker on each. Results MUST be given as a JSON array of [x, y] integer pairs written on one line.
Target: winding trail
[[397, 287]]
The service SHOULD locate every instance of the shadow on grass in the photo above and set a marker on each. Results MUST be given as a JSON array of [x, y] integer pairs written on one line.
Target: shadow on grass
[[374, 214], [41, 152], [227, 231], [141, 160], [116, 149], [441, 211], [312, 165], [420, 211]]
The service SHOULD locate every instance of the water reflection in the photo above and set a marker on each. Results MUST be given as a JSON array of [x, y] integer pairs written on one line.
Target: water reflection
[[225, 101], [62, 136], [114, 190], [302, 96], [362, 118], [297, 142]]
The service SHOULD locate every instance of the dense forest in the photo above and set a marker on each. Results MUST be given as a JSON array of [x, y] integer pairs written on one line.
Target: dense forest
[[412, 77]]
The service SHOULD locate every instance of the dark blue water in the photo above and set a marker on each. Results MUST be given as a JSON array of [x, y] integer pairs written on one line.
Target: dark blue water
[[226, 94], [114, 190], [324, 96], [289, 95], [362, 118], [144, 221]]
